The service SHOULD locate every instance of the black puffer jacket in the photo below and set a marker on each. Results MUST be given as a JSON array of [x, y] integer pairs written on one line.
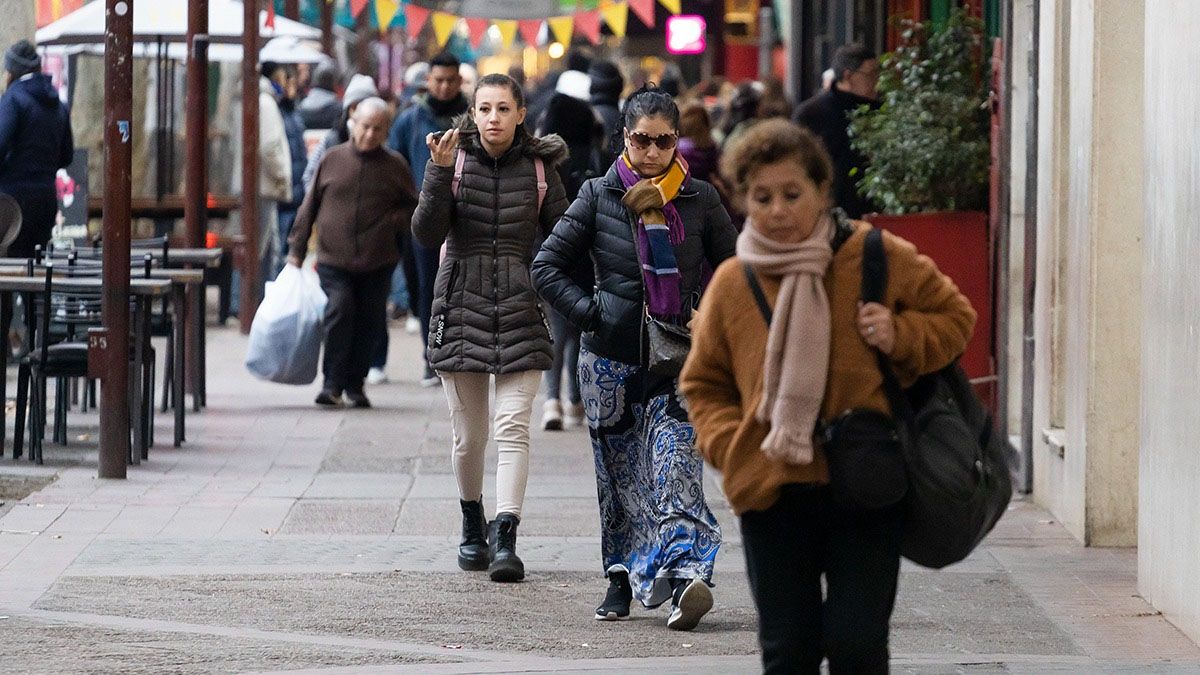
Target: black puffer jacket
[[486, 316], [597, 223]]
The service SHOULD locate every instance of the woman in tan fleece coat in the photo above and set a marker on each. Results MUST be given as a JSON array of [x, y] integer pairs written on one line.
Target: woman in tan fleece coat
[[756, 394]]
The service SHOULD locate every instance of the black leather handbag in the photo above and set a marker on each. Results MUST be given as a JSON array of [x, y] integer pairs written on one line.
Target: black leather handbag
[[863, 447]]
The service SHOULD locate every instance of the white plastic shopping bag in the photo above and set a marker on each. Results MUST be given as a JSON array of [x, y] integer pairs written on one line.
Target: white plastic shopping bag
[[286, 336]]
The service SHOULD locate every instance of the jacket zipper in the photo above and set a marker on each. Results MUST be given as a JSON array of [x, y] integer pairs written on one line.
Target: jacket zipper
[[496, 258]]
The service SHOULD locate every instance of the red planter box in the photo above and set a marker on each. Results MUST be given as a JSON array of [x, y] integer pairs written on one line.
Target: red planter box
[[958, 242]]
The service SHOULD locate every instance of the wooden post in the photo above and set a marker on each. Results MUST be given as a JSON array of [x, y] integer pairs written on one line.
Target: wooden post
[[118, 167], [326, 26], [250, 259], [291, 9], [195, 205]]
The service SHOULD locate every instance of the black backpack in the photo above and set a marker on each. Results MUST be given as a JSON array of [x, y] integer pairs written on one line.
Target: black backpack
[[959, 479]]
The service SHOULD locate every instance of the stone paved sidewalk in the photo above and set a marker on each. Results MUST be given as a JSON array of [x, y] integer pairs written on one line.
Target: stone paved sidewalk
[[283, 538]]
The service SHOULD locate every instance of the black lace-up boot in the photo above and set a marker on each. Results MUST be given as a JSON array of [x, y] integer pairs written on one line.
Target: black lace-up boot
[[506, 566], [473, 551]]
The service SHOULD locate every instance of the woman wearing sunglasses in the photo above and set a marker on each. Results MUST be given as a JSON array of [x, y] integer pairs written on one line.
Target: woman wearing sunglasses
[[649, 228]]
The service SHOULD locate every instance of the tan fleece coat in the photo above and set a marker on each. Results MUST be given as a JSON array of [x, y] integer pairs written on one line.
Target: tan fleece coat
[[722, 380]]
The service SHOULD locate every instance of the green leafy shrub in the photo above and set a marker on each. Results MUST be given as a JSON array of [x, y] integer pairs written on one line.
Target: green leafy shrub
[[928, 141]]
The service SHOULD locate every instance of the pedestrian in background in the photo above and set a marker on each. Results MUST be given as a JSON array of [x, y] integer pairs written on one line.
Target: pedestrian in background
[[35, 142], [649, 228], [321, 108], [572, 119], [361, 205], [481, 197], [284, 79], [607, 86], [431, 112], [758, 392], [360, 88], [827, 115]]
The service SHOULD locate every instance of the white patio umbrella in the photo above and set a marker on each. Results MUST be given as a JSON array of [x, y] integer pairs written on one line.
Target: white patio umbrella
[[166, 21]]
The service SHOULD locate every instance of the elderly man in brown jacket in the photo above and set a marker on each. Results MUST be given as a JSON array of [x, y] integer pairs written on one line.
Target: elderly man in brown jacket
[[361, 204]]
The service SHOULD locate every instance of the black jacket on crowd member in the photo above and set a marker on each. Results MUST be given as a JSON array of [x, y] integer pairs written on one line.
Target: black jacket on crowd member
[[599, 225], [828, 115], [577, 124], [35, 142], [607, 84], [491, 319]]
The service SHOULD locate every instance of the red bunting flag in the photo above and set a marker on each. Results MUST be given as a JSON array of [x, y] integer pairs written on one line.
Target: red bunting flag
[[588, 24], [270, 23], [644, 9], [356, 7], [529, 29], [477, 29], [415, 17]]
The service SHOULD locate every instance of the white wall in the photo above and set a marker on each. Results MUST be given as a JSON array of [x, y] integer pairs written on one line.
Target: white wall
[[1089, 273], [1169, 532]]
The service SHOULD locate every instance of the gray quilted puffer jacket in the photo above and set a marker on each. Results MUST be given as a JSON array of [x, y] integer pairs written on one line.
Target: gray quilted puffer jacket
[[486, 315]]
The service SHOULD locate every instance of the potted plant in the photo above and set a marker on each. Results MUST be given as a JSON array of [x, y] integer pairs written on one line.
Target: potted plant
[[929, 154]]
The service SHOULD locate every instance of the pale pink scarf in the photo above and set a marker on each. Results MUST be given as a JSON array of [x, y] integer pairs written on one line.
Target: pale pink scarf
[[797, 359]]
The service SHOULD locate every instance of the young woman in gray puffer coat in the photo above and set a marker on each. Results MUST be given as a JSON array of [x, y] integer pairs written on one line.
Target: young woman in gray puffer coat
[[491, 193]]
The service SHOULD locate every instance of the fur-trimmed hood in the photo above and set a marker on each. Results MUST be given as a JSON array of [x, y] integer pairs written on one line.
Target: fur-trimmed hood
[[552, 149]]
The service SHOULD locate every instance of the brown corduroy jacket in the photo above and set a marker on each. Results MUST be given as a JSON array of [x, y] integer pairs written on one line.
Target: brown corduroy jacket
[[722, 380]]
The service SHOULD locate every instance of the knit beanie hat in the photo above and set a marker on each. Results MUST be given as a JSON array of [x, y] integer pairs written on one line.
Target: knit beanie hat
[[574, 84], [606, 79], [361, 88], [416, 76], [22, 58]]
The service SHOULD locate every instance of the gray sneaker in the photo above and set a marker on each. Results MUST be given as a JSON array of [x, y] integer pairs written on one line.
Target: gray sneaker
[[690, 603]]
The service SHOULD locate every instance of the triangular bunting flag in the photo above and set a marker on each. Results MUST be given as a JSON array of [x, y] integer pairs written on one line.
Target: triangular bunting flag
[[562, 27], [357, 6], [617, 18], [508, 31], [673, 6], [588, 25], [270, 22], [443, 26], [477, 29], [385, 11], [567, 5], [589, 4], [415, 18], [644, 10], [529, 29]]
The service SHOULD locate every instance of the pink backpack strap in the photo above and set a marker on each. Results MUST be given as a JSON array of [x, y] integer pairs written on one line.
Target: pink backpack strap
[[459, 161], [540, 167]]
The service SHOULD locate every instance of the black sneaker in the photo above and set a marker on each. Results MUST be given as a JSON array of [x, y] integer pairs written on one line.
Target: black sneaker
[[357, 399], [616, 602], [690, 600], [505, 566], [329, 398], [473, 554]]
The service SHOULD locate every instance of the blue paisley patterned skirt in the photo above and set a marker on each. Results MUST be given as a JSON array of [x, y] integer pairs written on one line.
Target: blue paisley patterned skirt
[[653, 518]]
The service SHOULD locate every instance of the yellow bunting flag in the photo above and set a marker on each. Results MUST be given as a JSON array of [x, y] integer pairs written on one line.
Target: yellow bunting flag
[[562, 27], [508, 31], [617, 18], [673, 6], [443, 26], [385, 11]]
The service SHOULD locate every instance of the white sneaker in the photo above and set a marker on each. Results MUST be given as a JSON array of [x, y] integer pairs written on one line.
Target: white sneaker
[[690, 605], [376, 376], [573, 416], [412, 325], [552, 418]]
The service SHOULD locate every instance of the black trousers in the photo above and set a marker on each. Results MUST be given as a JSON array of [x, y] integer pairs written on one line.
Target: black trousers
[[788, 548], [354, 315]]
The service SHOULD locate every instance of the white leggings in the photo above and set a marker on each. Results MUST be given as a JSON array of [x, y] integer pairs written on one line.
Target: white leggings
[[467, 395]]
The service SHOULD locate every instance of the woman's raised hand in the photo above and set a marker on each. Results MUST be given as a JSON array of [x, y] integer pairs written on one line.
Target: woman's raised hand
[[442, 150]]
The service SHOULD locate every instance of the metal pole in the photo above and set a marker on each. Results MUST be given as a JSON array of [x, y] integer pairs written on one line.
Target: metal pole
[[796, 61], [326, 26], [195, 206], [250, 261], [291, 9], [118, 166], [766, 41]]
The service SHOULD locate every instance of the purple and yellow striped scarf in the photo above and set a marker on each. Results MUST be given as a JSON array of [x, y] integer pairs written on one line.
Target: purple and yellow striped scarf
[[660, 229]]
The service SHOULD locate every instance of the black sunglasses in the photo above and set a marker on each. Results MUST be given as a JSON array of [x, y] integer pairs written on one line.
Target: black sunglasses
[[642, 141]]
